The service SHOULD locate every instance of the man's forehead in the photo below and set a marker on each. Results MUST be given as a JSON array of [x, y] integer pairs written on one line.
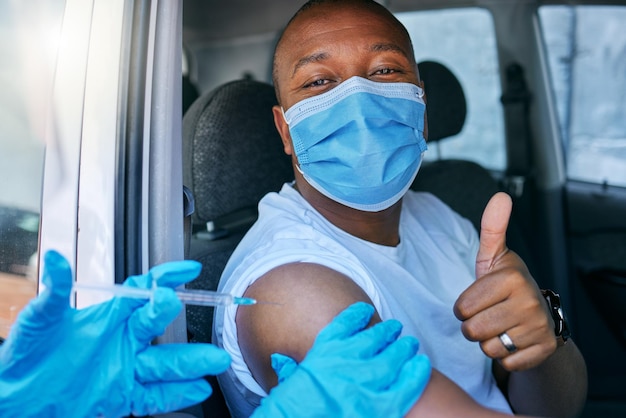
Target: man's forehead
[[335, 14], [301, 33]]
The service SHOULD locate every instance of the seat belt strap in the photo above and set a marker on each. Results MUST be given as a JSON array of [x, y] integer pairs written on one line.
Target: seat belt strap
[[516, 100]]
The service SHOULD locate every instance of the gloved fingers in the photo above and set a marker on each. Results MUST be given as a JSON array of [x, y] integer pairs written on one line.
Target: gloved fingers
[[142, 281], [177, 362], [411, 382], [171, 274], [386, 366], [174, 273], [373, 340], [284, 366], [158, 398], [150, 320], [57, 276], [348, 322], [167, 275]]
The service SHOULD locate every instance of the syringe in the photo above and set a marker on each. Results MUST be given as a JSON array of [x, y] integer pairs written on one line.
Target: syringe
[[186, 296]]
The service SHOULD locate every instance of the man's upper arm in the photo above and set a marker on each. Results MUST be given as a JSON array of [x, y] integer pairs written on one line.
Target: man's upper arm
[[304, 298]]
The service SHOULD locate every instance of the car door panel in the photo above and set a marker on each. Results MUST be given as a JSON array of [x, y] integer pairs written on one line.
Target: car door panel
[[596, 225]]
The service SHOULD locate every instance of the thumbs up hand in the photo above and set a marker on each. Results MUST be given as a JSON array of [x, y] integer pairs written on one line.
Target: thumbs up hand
[[503, 309]]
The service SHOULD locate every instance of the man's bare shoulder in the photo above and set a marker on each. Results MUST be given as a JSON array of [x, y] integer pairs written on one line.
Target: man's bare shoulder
[[301, 299]]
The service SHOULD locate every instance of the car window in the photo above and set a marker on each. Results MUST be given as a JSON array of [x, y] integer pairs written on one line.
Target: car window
[[586, 48], [464, 41], [27, 50]]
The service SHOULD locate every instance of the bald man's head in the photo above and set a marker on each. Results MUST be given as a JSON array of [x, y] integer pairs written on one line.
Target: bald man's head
[[325, 15]]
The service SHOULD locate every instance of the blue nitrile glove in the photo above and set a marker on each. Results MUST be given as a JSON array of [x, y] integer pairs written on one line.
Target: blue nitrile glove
[[349, 372], [61, 362]]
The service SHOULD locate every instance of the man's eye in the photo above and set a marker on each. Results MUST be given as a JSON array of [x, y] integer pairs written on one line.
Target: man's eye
[[317, 83], [385, 71]]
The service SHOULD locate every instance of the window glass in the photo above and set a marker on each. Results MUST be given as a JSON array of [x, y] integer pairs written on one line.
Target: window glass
[[587, 56], [28, 33], [464, 41]]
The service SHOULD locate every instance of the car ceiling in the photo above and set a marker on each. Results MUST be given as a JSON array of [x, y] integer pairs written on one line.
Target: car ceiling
[[215, 20], [212, 20]]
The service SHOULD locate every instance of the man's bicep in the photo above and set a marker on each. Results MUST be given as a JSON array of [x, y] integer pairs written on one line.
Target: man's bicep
[[303, 298]]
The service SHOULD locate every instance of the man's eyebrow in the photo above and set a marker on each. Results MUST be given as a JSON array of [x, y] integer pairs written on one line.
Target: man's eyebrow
[[319, 56], [388, 47]]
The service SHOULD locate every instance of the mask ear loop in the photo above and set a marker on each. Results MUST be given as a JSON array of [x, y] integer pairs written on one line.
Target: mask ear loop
[[282, 110]]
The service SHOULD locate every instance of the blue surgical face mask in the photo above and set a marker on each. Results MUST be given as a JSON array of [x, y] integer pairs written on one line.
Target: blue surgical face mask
[[361, 143]]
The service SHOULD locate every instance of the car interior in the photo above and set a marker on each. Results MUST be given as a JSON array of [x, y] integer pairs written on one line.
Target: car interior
[[523, 96], [228, 179]]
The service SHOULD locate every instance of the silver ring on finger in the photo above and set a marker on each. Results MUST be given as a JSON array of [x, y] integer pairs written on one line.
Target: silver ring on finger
[[507, 342]]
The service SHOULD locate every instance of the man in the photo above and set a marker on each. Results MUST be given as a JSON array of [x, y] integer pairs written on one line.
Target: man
[[352, 117], [98, 361]]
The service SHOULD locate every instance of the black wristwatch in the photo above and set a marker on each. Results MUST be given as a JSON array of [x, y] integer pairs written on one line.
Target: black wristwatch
[[561, 329]]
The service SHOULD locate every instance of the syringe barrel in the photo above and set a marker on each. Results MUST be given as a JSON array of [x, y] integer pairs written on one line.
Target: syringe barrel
[[204, 297]]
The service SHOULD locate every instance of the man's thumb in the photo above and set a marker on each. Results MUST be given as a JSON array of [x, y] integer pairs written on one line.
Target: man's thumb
[[493, 227]]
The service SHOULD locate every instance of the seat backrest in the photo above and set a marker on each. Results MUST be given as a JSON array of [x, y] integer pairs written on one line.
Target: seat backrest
[[233, 156], [463, 185]]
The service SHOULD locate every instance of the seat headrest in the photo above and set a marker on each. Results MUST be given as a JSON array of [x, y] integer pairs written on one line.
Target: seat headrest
[[445, 102], [232, 152]]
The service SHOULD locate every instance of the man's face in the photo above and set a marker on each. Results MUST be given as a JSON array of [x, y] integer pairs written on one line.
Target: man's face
[[330, 43]]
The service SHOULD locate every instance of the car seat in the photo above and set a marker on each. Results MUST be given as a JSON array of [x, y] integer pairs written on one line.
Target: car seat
[[463, 185], [232, 157]]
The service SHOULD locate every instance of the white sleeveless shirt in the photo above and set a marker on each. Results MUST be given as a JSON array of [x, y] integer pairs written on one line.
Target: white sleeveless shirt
[[416, 282]]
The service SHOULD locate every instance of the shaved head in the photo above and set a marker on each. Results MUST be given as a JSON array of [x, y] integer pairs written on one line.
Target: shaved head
[[323, 12]]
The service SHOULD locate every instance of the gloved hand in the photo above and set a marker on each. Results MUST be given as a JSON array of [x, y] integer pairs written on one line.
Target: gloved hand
[[61, 362], [349, 372]]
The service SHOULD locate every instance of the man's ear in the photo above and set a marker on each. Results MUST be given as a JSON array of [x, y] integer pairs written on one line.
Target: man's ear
[[283, 129]]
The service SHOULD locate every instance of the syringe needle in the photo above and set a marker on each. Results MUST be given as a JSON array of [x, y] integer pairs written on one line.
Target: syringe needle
[[186, 296]]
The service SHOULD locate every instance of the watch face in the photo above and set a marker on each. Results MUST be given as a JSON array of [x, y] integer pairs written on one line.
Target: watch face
[[558, 316], [559, 323]]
